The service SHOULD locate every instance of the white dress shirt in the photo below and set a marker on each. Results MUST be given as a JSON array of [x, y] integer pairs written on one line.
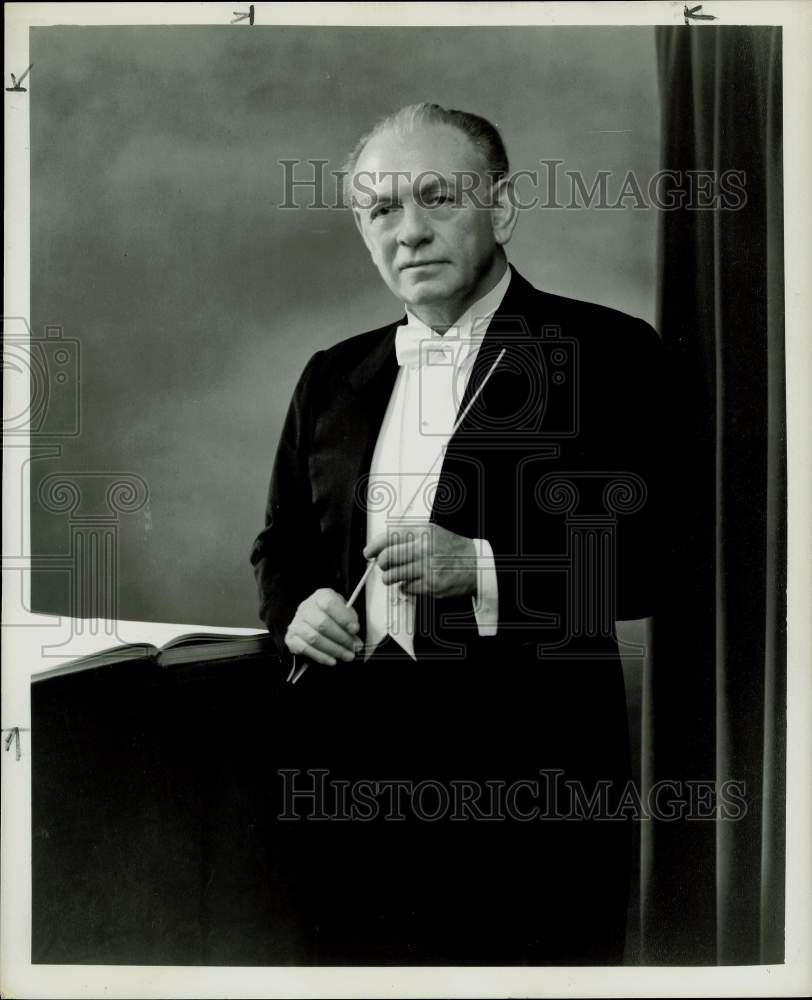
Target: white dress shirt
[[407, 461]]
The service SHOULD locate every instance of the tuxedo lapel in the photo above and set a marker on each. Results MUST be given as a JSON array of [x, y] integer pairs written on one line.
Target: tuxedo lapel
[[378, 366], [371, 383], [496, 394], [507, 330]]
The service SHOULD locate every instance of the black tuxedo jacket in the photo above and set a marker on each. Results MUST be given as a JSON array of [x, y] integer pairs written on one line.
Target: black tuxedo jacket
[[555, 465]]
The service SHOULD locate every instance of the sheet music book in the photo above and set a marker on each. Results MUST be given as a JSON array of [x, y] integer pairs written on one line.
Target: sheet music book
[[192, 647]]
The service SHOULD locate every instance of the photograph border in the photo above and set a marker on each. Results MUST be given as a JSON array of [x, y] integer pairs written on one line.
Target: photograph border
[[23, 635]]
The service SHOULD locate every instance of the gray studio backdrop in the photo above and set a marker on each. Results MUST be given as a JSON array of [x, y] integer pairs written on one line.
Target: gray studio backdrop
[[158, 245]]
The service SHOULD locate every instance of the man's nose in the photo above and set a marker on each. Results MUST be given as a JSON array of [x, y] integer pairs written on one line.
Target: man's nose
[[415, 227]]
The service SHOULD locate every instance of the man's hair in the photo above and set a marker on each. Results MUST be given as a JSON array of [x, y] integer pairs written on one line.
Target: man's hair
[[482, 134]]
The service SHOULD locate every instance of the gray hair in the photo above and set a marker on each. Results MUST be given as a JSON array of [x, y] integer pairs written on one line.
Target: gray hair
[[482, 134]]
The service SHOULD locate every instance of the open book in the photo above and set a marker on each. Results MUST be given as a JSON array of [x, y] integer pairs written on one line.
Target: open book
[[194, 647]]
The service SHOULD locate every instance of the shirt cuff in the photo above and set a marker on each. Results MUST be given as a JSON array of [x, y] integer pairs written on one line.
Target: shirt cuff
[[486, 599]]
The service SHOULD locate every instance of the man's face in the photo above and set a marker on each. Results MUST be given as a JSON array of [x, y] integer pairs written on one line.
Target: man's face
[[431, 243]]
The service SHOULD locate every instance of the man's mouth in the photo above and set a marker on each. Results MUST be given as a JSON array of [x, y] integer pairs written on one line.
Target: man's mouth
[[421, 263]]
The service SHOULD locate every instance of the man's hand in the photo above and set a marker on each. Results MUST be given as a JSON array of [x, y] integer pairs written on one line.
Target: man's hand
[[324, 629], [426, 559]]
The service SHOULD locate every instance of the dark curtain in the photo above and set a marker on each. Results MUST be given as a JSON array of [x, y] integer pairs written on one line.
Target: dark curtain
[[714, 695]]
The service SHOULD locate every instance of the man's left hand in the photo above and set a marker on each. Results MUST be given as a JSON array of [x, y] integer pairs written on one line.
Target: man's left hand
[[426, 559]]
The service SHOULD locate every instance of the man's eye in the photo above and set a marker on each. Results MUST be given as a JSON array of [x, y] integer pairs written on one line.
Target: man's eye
[[435, 200], [379, 211]]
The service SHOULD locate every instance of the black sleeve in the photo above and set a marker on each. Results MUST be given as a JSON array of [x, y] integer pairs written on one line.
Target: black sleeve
[[285, 551]]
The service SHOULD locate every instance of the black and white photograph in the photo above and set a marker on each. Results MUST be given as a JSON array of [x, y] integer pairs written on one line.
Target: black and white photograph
[[406, 481]]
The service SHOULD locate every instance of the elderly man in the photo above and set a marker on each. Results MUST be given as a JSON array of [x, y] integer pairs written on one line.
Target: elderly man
[[484, 467]]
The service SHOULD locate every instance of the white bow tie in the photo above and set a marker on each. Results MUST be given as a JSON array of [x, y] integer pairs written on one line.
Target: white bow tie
[[415, 344]]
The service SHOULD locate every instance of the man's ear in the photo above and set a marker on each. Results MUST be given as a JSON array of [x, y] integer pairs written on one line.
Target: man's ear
[[504, 211]]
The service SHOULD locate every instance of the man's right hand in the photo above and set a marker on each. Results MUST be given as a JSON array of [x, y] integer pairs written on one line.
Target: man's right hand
[[324, 629]]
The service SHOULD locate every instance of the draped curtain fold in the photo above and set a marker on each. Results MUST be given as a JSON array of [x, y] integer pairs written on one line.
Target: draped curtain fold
[[712, 891]]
